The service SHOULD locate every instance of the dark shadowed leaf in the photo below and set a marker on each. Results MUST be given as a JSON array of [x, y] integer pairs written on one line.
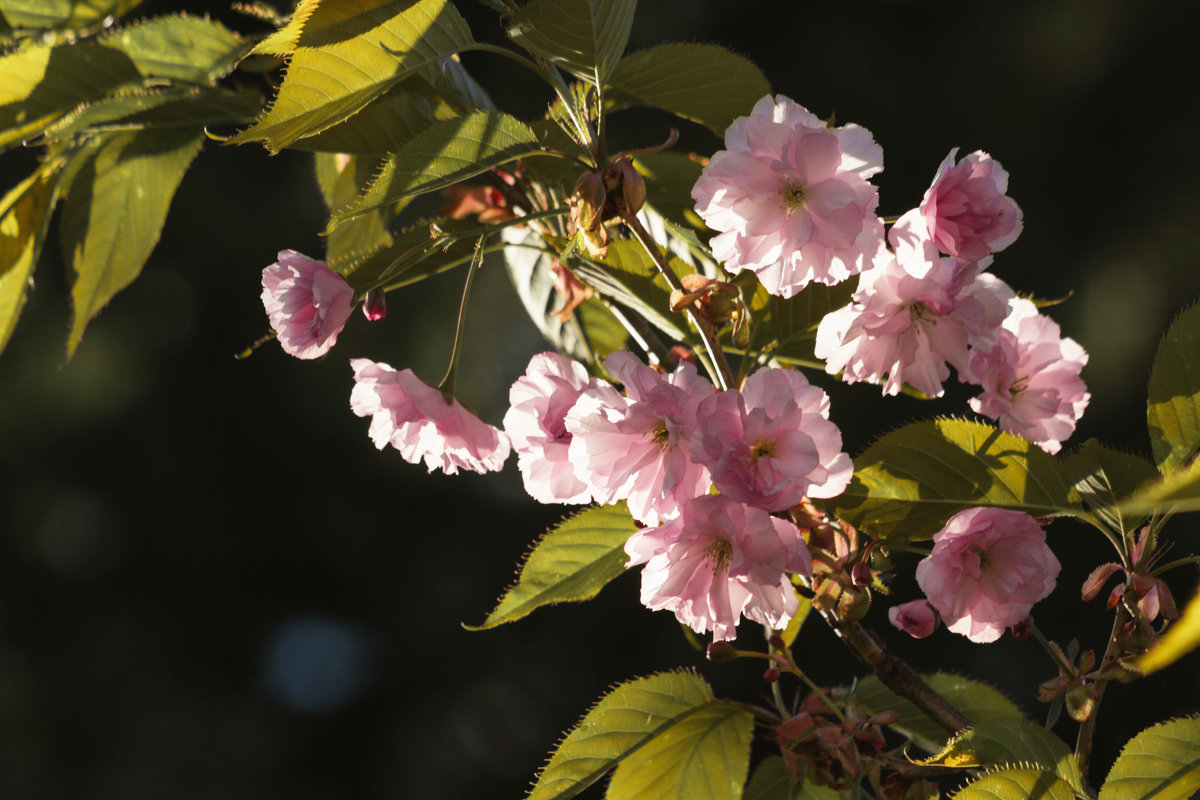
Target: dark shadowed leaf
[[586, 37], [1173, 407], [1103, 476], [179, 47]]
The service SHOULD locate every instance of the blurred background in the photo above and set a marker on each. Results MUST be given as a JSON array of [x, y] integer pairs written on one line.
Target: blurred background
[[213, 585]]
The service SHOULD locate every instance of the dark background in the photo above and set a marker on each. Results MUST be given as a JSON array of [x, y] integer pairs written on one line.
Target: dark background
[[212, 584]]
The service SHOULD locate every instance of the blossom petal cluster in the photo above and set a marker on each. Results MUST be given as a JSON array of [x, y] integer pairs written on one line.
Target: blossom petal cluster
[[307, 302], [987, 568], [790, 198], [719, 560], [422, 422], [966, 209]]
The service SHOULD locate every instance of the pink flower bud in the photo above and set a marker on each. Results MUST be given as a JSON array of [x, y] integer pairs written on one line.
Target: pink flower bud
[[375, 305], [307, 302]]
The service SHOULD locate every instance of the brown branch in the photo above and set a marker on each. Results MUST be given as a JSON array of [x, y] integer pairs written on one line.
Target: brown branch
[[1087, 728]]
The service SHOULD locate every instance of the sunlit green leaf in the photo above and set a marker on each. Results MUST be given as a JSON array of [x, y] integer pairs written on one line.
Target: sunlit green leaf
[[664, 731], [1102, 476], [386, 125], [586, 37], [112, 222], [670, 177], [628, 276], [910, 481], [1179, 491], [24, 217], [1162, 762], [444, 154], [530, 268], [571, 562], [704, 83], [977, 701], [1017, 784], [62, 14], [179, 47], [1173, 407], [193, 106], [999, 741], [792, 630], [786, 329], [1181, 638], [346, 54], [43, 82]]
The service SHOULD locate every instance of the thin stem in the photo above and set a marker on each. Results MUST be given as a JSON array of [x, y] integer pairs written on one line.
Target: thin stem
[[642, 333], [447, 382], [1054, 653], [764, 714], [1087, 728], [721, 373], [1179, 562]]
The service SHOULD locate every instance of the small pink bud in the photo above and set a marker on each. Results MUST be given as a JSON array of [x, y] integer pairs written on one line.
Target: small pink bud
[[375, 305], [1023, 629], [916, 618], [771, 675]]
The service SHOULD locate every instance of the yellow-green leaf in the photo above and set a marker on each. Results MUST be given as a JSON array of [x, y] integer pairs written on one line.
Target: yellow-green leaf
[[1017, 784], [1161, 762], [385, 125], [628, 275], [977, 701], [910, 481], [444, 154], [24, 215], [110, 224], [1179, 491], [772, 781], [1181, 638], [666, 734], [792, 630], [61, 14], [1102, 476], [999, 741], [586, 37], [1173, 407], [572, 562], [703, 83], [346, 54], [179, 47]]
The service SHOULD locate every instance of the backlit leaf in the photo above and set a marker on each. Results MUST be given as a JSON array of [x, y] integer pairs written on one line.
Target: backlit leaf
[[346, 54], [1102, 476], [1181, 638], [62, 13], [666, 735], [703, 83], [24, 216], [530, 268], [1001, 741], [444, 154], [571, 562], [586, 37], [1173, 407], [179, 47], [628, 276], [112, 222], [1179, 491], [1017, 784], [1162, 762], [385, 125], [977, 701], [910, 481]]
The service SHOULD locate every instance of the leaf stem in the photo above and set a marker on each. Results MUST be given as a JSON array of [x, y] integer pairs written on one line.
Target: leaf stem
[[721, 373], [447, 382], [1087, 728]]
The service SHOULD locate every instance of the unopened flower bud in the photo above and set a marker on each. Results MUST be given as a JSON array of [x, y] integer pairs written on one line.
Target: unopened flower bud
[[719, 652], [1081, 704], [776, 641], [860, 574], [375, 305], [1023, 629], [771, 675], [854, 603], [623, 181]]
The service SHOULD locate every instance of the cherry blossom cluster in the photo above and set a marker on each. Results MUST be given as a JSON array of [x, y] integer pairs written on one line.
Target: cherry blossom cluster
[[664, 445], [791, 202]]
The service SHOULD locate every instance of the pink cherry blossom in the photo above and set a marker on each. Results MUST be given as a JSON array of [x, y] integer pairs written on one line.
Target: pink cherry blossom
[[914, 313], [916, 618], [1030, 378], [772, 444], [790, 197], [720, 560], [966, 209], [635, 447], [422, 422], [535, 425], [987, 569], [307, 302]]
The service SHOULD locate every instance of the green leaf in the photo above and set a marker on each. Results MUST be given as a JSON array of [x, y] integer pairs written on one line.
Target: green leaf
[[668, 738], [1017, 784], [442, 155], [670, 177], [787, 328], [586, 37], [572, 562], [530, 268], [1102, 476], [43, 82], [910, 481], [1181, 638], [386, 125], [703, 83], [131, 109], [24, 217], [1162, 762], [62, 14], [792, 630], [771, 781], [179, 47], [629, 276], [1001, 741], [977, 701], [1179, 491], [346, 54], [110, 225], [1173, 407]]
